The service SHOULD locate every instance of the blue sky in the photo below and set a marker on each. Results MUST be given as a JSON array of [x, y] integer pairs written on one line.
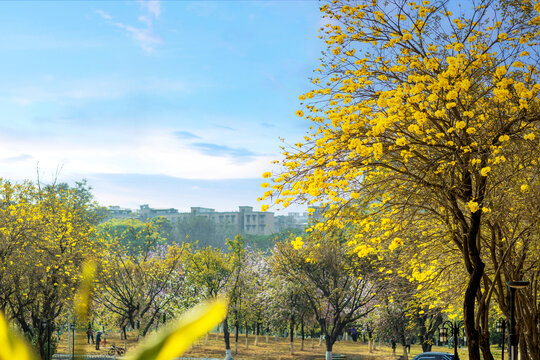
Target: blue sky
[[167, 103]]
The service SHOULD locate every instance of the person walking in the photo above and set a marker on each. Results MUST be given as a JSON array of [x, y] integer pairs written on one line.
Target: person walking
[[90, 335], [354, 333], [98, 339]]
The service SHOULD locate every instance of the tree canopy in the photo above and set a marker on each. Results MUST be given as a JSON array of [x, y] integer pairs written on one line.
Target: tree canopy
[[429, 114]]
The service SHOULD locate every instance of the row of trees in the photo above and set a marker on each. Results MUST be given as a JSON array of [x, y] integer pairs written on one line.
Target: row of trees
[[48, 232], [425, 145]]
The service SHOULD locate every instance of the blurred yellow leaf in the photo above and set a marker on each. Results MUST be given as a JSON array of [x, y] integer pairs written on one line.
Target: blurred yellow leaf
[[11, 345], [173, 340], [83, 298]]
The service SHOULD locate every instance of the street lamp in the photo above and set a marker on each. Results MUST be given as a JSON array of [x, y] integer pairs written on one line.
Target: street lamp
[[443, 335], [455, 327], [501, 327], [512, 287]]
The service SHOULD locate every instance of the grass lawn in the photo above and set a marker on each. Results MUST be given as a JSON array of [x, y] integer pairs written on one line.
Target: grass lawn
[[214, 347]]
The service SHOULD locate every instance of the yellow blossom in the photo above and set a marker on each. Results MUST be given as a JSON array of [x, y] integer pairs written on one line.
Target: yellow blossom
[[473, 206], [297, 243], [401, 141], [395, 243]]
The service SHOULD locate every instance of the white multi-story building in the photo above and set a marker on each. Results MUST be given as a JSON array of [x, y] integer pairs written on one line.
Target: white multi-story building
[[244, 221]]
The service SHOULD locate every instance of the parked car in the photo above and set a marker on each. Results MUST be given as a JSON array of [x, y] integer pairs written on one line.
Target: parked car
[[434, 355]]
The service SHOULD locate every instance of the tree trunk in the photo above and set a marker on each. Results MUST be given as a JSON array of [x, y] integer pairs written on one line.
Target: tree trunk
[[475, 268], [257, 333], [228, 355], [302, 334], [247, 336], [69, 335], [405, 353], [469, 308], [329, 346], [485, 346], [523, 353], [236, 329], [41, 342], [291, 331]]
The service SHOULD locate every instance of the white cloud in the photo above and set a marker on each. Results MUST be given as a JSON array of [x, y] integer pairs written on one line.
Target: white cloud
[[86, 89], [120, 151], [103, 14], [143, 36]]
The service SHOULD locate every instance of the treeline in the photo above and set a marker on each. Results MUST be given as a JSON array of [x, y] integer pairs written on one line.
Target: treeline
[[145, 277], [314, 284], [198, 231]]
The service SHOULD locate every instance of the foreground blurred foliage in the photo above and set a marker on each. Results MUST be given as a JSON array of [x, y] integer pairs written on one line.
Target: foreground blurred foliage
[[169, 343]]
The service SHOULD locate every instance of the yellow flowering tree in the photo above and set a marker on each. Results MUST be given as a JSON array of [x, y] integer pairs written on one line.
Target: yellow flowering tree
[[46, 232], [418, 109]]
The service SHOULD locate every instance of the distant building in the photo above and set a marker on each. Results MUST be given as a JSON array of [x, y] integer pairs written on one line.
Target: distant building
[[243, 221], [296, 220], [246, 221], [290, 221], [146, 213], [116, 212]]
